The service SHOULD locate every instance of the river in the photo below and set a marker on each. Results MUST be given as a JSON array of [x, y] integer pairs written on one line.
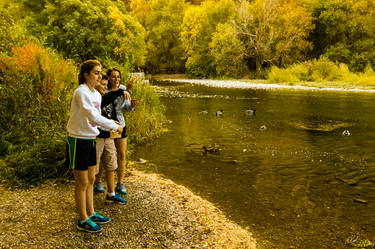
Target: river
[[286, 173]]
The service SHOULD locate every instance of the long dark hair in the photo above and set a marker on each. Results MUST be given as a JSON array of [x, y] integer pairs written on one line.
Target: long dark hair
[[86, 67], [110, 70]]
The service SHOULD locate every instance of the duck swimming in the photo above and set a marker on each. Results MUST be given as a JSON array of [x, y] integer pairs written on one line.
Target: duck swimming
[[211, 150], [346, 133], [219, 113], [250, 112]]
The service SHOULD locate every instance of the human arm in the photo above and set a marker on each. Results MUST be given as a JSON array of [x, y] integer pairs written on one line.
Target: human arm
[[130, 84], [90, 108], [127, 105], [109, 97]]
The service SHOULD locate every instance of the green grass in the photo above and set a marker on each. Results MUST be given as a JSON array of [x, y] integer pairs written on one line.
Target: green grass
[[146, 121]]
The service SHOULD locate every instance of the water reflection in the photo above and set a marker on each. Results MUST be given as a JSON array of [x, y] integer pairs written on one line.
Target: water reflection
[[297, 183]]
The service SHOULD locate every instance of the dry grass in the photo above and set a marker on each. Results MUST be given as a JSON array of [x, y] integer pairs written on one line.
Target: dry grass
[[159, 214]]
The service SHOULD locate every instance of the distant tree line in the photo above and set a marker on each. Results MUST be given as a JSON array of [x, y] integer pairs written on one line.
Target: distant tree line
[[203, 38], [231, 38]]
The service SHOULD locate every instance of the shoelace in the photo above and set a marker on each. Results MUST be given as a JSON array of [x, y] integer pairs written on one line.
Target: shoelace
[[97, 215], [91, 223]]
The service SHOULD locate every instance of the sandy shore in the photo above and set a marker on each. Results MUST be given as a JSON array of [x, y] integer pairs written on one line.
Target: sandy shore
[[159, 214], [255, 85]]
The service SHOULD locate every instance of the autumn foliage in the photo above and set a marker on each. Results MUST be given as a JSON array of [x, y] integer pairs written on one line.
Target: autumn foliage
[[35, 91]]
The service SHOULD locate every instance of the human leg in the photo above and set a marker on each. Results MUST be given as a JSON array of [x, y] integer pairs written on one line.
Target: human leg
[[94, 216], [90, 190], [80, 184], [111, 195], [98, 187], [82, 152], [110, 179], [79, 155], [121, 146], [109, 161]]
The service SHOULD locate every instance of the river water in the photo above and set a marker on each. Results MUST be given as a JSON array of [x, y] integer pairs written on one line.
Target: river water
[[295, 183]]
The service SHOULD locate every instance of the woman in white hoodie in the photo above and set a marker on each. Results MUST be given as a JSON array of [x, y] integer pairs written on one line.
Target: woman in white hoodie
[[85, 116]]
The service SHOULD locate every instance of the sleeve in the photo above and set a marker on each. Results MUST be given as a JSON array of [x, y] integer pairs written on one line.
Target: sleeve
[[93, 113], [109, 97], [126, 105]]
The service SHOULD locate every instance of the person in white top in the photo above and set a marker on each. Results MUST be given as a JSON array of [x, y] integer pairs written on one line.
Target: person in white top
[[85, 117]]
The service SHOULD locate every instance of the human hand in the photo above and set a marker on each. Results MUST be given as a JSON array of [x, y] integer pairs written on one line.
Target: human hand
[[126, 95], [134, 102], [120, 129], [130, 84]]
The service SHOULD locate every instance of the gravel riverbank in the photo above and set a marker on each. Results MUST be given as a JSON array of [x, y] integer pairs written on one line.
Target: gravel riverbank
[[256, 85], [159, 214]]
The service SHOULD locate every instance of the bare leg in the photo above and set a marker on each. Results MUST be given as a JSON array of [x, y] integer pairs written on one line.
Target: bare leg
[[81, 184], [121, 146], [99, 176], [110, 178], [90, 190]]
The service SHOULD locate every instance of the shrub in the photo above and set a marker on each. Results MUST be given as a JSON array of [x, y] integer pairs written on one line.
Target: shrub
[[322, 70], [35, 93], [146, 121], [301, 71], [278, 75]]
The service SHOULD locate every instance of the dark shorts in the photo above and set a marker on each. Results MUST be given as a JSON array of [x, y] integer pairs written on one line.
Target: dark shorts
[[124, 134], [81, 153]]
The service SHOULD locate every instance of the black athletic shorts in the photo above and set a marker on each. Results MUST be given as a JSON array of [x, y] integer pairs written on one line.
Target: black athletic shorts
[[124, 134], [81, 153]]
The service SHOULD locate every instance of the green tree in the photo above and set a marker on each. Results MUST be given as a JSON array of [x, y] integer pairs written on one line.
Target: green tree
[[12, 33], [345, 32], [162, 20], [273, 31], [93, 29], [197, 28], [227, 51]]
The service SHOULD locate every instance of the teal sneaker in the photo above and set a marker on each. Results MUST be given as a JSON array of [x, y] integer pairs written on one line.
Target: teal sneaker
[[120, 188], [97, 218], [89, 226], [98, 187], [116, 198]]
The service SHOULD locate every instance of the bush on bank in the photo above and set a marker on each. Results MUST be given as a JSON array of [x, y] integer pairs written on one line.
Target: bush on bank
[[146, 121], [35, 92], [321, 70]]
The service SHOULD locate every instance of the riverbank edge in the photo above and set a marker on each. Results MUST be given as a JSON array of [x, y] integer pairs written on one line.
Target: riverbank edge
[[258, 84], [159, 214]]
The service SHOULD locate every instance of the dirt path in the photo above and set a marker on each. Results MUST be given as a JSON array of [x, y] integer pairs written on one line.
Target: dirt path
[[159, 214]]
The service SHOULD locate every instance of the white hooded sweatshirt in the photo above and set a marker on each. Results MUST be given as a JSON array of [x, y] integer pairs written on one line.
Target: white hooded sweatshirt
[[85, 114]]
